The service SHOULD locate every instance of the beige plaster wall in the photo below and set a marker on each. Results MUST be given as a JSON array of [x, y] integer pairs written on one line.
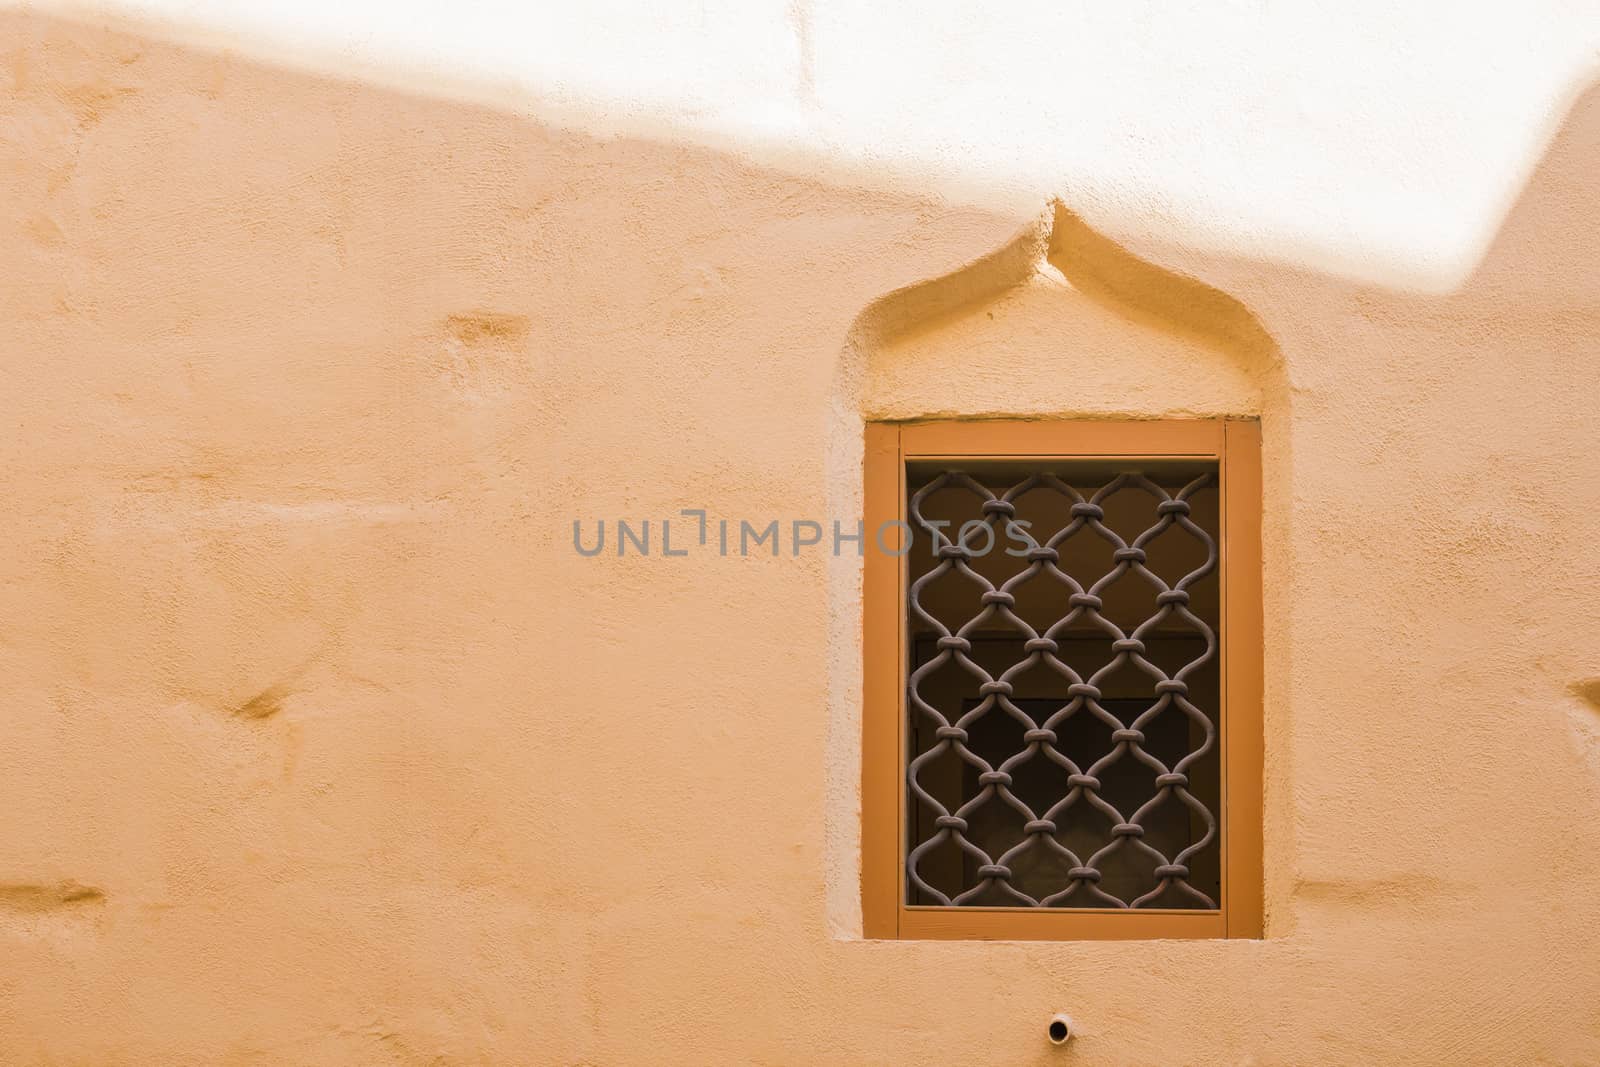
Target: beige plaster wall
[[323, 745]]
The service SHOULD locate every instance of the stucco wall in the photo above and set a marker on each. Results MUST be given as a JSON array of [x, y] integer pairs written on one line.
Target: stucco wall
[[323, 745]]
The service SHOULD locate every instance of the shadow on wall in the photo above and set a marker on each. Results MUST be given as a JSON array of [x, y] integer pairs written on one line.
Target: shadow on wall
[[304, 382]]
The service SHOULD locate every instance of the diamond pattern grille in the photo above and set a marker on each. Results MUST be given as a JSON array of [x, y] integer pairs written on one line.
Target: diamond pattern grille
[[1063, 688]]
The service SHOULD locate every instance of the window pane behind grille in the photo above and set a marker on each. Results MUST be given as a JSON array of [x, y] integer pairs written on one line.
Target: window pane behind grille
[[1081, 770]]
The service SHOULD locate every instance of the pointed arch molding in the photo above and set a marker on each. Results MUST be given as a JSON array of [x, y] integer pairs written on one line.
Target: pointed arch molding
[[1061, 321]]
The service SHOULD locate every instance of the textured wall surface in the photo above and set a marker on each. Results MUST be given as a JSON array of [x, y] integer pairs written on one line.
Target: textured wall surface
[[1380, 141], [321, 744]]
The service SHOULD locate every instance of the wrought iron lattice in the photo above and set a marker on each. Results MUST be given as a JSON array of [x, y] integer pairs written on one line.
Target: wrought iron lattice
[[1064, 734]]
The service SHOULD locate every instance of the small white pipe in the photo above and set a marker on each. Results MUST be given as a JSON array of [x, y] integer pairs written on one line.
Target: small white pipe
[[1060, 1029]]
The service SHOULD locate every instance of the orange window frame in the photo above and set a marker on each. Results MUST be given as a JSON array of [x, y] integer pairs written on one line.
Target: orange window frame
[[1235, 444]]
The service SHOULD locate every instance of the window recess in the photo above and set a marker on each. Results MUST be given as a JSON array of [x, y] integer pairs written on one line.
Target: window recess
[[1063, 680]]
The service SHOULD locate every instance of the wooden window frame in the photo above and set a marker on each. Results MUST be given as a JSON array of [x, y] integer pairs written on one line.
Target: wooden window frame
[[1235, 444]]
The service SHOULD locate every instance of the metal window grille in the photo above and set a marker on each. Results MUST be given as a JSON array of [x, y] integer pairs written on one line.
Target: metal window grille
[[1063, 686]]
